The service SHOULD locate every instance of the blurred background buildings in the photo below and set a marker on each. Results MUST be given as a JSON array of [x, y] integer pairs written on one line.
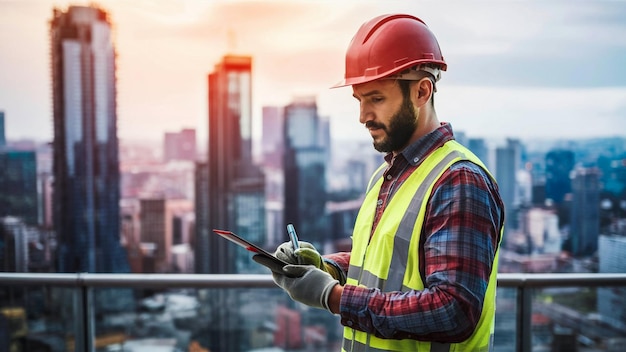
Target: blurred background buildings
[[88, 202]]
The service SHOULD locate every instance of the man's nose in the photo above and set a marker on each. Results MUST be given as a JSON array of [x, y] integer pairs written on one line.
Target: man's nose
[[365, 114]]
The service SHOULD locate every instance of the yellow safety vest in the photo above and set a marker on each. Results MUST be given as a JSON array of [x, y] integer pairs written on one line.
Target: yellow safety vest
[[390, 261]]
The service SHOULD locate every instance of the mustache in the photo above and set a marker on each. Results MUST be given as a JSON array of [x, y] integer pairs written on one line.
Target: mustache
[[372, 124]]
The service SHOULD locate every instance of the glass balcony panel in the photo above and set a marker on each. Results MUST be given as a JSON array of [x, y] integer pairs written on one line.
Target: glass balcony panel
[[198, 319], [505, 335], [38, 318], [577, 319]]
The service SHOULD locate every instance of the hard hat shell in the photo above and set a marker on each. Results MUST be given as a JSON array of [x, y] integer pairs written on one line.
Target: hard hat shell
[[388, 44]]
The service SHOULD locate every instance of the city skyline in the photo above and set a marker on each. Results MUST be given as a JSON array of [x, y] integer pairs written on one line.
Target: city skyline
[[521, 69]]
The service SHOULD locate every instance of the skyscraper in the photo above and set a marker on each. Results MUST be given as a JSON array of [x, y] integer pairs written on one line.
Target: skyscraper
[[14, 237], [201, 206], [18, 185], [3, 140], [480, 149], [559, 164], [229, 195], [273, 148], [85, 161], [273, 145], [180, 145], [306, 155], [162, 229], [505, 175], [585, 218], [233, 192]]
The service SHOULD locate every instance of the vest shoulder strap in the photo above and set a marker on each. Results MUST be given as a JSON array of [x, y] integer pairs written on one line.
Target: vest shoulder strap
[[375, 177]]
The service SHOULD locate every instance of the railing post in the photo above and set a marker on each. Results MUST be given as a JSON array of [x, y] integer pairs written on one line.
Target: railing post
[[524, 319], [84, 328], [90, 316]]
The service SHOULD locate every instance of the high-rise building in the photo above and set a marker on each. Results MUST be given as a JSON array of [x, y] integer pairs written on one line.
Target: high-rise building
[[559, 164], [229, 193], [24, 248], [306, 155], [203, 233], [18, 185], [480, 149], [180, 145], [541, 227], [613, 171], [273, 148], [273, 145], [3, 140], [163, 228], [45, 187], [248, 218], [505, 175], [585, 213], [232, 187], [85, 161], [358, 178], [14, 251]]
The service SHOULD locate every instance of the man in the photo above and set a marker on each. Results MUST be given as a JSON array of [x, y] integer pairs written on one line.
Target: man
[[421, 275]]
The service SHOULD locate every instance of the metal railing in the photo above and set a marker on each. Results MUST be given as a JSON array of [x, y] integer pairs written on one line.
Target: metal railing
[[85, 282], [524, 283]]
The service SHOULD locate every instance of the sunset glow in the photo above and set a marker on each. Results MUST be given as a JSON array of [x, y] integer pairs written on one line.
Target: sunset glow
[[505, 60]]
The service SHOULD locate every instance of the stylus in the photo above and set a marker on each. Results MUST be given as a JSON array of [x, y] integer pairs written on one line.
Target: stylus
[[292, 235]]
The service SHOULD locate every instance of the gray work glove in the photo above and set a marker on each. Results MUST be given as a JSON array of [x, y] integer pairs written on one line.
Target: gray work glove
[[312, 257], [308, 255], [312, 286]]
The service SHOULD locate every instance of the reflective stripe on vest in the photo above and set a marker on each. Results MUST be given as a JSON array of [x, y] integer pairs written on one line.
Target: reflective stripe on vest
[[400, 237], [355, 346], [404, 233], [376, 176]]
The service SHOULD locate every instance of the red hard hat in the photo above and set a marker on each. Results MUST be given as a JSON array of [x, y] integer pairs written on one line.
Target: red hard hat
[[388, 44]]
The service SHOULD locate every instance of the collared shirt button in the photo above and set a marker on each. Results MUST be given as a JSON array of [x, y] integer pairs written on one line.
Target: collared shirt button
[[380, 202], [389, 177], [349, 323], [416, 159]]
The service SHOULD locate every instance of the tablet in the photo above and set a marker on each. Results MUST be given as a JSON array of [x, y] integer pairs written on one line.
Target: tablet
[[261, 256]]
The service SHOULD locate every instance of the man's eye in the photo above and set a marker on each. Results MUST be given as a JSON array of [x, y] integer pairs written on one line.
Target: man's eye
[[377, 99]]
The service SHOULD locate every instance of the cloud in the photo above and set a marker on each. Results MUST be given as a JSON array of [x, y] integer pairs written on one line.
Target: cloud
[[528, 43], [534, 112], [497, 113], [167, 48]]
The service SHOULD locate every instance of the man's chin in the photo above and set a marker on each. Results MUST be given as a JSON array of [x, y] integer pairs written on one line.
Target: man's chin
[[381, 146]]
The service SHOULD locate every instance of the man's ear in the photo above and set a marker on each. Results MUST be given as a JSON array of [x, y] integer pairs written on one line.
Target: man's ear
[[421, 91]]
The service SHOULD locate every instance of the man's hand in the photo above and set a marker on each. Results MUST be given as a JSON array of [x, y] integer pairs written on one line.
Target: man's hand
[[312, 286], [308, 255], [305, 255]]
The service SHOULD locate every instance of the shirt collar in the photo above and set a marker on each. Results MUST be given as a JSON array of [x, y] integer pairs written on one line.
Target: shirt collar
[[418, 150]]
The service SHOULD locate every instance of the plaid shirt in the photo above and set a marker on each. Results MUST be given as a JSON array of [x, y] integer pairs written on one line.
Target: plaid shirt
[[460, 236]]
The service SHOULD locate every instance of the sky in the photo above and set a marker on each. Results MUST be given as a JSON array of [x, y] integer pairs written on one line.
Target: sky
[[518, 69]]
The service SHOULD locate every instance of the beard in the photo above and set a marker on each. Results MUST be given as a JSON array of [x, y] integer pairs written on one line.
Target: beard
[[401, 127]]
